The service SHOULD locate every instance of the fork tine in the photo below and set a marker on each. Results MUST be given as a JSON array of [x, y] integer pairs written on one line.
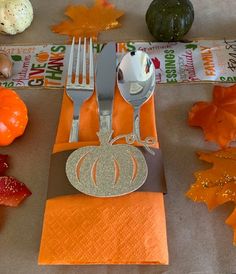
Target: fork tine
[[78, 63], [91, 70], [84, 63], [70, 66], [79, 92]]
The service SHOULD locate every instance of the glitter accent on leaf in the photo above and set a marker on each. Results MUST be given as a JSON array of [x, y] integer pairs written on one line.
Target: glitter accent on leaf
[[3, 164], [217, 185], [12, 191]]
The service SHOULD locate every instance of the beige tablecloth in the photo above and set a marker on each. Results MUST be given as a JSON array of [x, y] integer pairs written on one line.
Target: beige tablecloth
[[199, 241]]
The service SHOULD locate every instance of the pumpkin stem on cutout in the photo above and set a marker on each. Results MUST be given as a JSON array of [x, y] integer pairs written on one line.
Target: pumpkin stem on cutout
[[104, 137]]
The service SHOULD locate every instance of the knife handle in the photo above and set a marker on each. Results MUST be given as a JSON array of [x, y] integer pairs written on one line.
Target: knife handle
[[105, 122]]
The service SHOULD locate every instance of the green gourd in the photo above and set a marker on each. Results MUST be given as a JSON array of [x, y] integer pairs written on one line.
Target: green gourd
[[169, 20]]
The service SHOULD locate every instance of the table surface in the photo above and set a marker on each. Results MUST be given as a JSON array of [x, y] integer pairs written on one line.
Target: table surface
[[199, 241]]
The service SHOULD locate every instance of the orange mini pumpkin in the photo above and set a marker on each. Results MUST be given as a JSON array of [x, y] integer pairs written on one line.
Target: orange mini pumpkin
[[13, 116]]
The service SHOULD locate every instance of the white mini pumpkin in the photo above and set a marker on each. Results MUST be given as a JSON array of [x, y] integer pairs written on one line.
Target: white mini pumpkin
[[15, 16]]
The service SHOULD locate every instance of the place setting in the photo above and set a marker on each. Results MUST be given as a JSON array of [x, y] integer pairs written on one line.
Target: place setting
[[107, 183]]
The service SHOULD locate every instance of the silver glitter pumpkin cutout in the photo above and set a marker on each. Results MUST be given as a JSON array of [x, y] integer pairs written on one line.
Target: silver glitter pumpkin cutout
[[107, 170]]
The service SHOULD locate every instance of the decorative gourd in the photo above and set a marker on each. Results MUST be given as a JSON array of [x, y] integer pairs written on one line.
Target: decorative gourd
[[106, 170], [5, 65], [15, 16], [169, 20], [13, 116]]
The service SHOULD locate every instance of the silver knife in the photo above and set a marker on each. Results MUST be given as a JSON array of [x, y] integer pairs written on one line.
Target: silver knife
[[105, 84]]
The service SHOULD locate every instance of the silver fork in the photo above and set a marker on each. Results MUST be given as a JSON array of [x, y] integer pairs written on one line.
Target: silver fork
[[76, 90]]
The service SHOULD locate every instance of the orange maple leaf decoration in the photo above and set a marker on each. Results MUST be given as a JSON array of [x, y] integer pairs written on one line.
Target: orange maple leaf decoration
[[88, 22], [217, 118], [217, 185]]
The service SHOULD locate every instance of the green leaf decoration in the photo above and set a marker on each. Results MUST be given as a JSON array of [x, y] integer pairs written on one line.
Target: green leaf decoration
[[16, 58], [191, 46]]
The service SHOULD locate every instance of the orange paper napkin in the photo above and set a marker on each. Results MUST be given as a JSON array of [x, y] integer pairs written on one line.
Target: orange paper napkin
[[79, 229]]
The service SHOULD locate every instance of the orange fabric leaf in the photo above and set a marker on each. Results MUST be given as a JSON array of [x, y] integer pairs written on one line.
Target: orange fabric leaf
[[217, 118], [217, 185], [88, 22]]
